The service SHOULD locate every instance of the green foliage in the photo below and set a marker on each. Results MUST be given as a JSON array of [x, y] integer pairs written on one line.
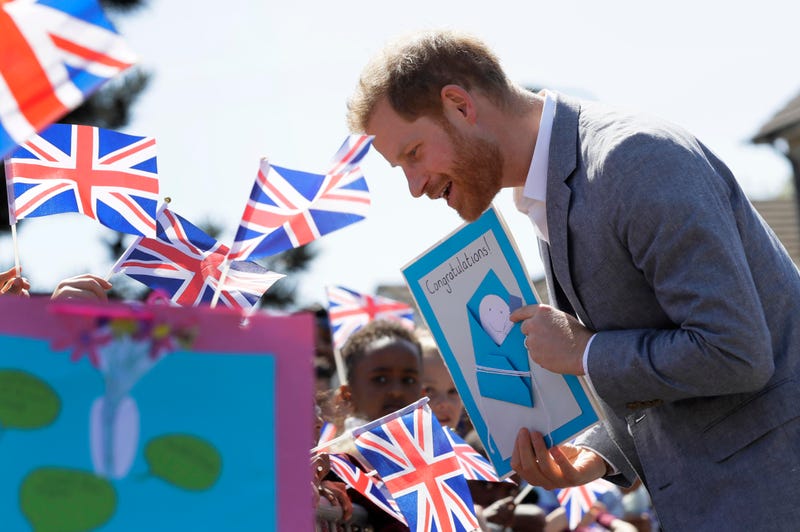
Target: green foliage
[[122, 5], [109, 107]]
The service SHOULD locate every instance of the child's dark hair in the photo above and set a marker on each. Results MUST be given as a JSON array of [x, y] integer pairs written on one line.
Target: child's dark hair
[[358, 343]]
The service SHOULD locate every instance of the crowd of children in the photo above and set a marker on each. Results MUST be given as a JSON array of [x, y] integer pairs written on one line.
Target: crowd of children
[[388, 367]]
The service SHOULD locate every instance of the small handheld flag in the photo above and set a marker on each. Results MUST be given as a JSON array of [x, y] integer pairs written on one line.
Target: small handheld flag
[[415, 460], [289, 208], [185, 262], [349, 310], [363, 483], [578, 500], [475, 466], [103, 174]]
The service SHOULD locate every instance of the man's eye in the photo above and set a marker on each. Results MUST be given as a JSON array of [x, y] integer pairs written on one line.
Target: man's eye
[[413, 152], [410, 380], [379, 379]]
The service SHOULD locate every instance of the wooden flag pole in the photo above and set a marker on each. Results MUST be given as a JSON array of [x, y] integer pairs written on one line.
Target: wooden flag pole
[[16, 249], [340, 368], [221, 283]]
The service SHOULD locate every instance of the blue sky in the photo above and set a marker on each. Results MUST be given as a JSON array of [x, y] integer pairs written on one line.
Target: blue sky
[[257, 78]]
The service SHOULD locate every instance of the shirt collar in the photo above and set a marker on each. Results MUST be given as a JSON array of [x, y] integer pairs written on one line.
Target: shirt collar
[[535, 187]]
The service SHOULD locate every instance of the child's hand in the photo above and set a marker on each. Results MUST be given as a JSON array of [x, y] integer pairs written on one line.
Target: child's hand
[[321, 465], [336, 494], [11, 284], [87, 287]]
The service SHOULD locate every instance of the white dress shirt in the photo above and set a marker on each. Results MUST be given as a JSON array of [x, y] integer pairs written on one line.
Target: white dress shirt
[[530, 199]]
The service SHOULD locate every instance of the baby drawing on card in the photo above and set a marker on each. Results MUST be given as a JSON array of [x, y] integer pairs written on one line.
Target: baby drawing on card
[[502, 366], [494, 312]]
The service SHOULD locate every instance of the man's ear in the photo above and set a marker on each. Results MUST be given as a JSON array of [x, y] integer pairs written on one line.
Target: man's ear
[[457, 103]]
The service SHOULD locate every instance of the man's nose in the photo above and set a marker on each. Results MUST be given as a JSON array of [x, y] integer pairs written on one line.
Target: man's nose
[[416, 184]]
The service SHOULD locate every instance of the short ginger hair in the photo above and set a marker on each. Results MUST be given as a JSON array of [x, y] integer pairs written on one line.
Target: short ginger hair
[[412, 71]]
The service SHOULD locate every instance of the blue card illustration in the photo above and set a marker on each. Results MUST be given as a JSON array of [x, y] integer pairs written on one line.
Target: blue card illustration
[[501, 360], [466, 286]]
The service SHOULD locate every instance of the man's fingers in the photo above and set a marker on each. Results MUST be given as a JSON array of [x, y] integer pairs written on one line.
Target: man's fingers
[[547, 465], [533, 462], [566, 468], [522, 458], [523, 313]]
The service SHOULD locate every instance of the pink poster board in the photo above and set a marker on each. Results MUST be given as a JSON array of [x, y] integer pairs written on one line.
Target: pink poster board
[[233, 402]]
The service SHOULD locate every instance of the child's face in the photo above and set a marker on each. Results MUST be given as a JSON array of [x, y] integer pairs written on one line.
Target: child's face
[[438, 386], [385, 379]]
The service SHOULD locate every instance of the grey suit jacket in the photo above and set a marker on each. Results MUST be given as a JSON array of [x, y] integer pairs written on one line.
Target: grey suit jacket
[[696, 305]]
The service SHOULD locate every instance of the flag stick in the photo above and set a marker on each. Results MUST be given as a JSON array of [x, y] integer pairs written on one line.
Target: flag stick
[[12, 215], [340, 368], [522, 494], [330, 443], [249, 313], [222, 277], [123, 257], [16, 249]]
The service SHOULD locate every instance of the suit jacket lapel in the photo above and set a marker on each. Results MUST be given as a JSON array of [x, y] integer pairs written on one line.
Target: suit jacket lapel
[[554, 291], [562, 164]]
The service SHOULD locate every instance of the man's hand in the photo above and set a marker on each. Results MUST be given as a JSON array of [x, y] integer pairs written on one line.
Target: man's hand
[[11, 284], [87, 287], [555, 340], [559, 467]]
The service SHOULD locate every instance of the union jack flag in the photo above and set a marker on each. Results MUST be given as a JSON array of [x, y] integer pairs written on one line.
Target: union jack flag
[[411, 453], [106, 175], [186, 263], [366, 485], [577, 500], [475, 466], [55, 54], [349, 310], [326, 433], [290, 208], [353, 149]]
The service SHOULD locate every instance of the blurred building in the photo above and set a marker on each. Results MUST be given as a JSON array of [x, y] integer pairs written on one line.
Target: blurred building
[[782, 131], [781, 215]]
